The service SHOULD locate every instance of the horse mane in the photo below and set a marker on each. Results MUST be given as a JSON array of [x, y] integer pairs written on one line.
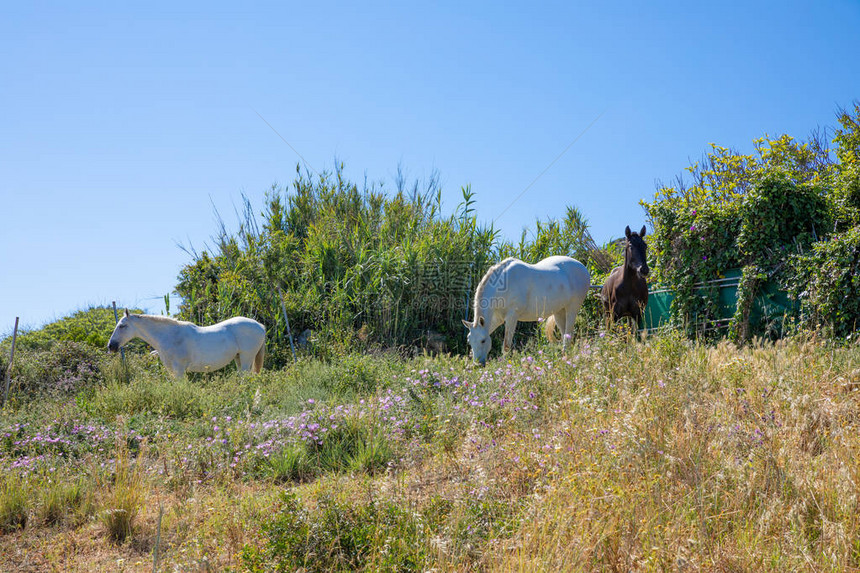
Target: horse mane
[[482, 286], [160, 318]]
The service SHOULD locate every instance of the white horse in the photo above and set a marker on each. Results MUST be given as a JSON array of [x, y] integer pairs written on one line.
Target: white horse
[[514, 291], [184, 346]]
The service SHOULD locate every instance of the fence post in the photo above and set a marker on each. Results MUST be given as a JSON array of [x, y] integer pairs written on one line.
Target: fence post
[[9, 368]]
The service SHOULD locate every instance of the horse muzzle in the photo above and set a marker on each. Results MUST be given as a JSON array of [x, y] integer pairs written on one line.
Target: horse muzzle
[[643, 272], [113, 346]]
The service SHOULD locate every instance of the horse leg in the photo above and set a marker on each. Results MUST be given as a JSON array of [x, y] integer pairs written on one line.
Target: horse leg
[[259, 358], [633, 328], [510, 327], [570, 319], [244, 361], [560, 321], [634, 322], [177, 369]]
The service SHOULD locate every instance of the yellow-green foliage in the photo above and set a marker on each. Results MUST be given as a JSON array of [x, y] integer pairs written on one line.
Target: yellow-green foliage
[[359, 267], [758, 212], [92, 326]]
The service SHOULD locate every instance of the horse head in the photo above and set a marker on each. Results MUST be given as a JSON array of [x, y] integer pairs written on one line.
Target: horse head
[[122, 333], [479, 339], [636, 251]]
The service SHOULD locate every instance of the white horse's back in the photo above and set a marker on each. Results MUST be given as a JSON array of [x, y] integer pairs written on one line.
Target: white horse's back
[[238, 325], [246, 335], [538, 290]]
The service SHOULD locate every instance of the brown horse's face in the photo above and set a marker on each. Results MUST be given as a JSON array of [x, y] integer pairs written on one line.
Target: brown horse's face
[[638, 250]]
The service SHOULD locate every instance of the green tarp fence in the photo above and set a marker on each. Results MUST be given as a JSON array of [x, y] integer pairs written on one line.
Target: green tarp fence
[[770, 303]]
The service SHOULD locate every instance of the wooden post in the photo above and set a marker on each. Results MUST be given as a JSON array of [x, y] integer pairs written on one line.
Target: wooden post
[[11, 358], [287, 320]]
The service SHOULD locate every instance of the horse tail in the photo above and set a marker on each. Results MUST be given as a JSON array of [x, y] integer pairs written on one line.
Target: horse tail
[[258, 359], [550, 328]]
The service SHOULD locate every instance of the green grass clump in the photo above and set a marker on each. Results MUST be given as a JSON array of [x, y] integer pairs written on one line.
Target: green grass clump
[[14, 503], [339, 535], [355, 445], [181, 399], [65, 500], [288, 465], [124, 499]]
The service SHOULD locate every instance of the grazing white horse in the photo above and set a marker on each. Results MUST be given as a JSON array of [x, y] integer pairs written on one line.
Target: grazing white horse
[[513, 291], [185, 347]]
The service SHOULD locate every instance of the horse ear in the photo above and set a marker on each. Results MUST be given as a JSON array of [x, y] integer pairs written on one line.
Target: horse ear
[[627, 231], [481, 321], [642, 232], [126, 312], [467, 324]]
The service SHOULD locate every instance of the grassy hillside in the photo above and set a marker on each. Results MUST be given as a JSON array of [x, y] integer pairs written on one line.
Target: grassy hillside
[[651, 456]]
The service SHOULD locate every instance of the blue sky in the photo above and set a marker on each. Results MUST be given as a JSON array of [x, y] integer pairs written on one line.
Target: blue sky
[[122, 126]]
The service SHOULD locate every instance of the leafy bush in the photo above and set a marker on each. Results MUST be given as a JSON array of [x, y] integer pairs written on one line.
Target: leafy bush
[[827, 284], [757, 213]]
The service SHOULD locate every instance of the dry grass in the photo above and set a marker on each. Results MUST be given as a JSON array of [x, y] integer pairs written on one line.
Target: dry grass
[[654, 456], [724, 460]]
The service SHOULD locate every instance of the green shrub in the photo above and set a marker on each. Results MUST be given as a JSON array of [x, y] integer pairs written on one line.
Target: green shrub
[[339, 536], [355, 374], [757, 213], [65, 367], [827, 284], [92, 326]]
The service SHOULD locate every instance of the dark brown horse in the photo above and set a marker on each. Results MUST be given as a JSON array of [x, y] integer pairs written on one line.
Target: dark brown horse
[[625, 292]]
